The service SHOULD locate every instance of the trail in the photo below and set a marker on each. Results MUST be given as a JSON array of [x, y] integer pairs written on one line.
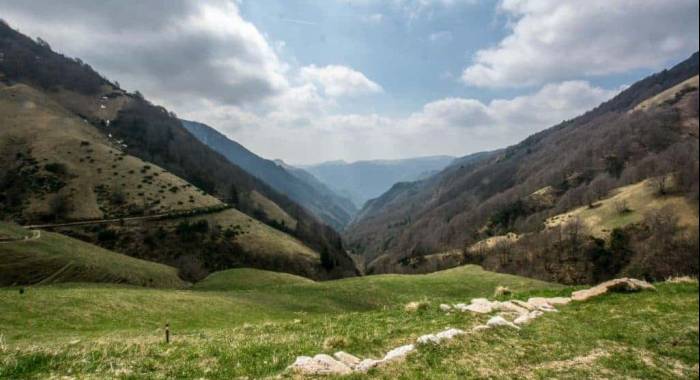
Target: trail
[[176, 214]]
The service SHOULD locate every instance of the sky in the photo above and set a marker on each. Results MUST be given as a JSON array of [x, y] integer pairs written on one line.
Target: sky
[[308, 81]]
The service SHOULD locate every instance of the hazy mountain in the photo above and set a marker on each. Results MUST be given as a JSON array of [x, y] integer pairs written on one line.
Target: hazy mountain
[[649, 132], [363, 180], [301, 187]]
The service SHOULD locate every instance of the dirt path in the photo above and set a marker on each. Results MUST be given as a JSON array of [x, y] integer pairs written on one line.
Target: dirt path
[[178, 214]]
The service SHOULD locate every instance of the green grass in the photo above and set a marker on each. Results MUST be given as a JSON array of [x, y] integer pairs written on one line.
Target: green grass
[[55, 258], [12, 231], [256, 327], [244, 279]]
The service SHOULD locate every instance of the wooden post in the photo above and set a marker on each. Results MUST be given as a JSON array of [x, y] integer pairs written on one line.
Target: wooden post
[[167, 333]]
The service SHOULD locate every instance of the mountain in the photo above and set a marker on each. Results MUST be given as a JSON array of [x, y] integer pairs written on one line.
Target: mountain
[[332, 209], [76, 147], [363, 180], [594, 170]]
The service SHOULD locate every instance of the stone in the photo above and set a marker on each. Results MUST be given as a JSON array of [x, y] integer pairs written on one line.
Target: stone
[[347, 359], [320, 364], [480, 328], [617, 285], [367, 364], [523, 304], [499, 321], [526, 318], [445, 307], [399, 353], [512, 307], [428, 339], [555, 301], [480, 305], [538, 302], [449, 334]]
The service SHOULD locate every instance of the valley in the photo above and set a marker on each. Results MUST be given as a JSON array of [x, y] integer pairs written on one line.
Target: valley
[[525, 233]]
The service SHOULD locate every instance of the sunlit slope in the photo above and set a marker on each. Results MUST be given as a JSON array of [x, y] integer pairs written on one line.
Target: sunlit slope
[[40, 257], [56, 154], [627, 205]]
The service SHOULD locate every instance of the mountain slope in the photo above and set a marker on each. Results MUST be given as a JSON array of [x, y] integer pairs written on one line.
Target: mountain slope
[[363, 180], [147, 140], [516, 189], [321, 201]]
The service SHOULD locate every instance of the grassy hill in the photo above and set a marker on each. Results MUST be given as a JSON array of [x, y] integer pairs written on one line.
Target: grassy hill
[[253, 324], [48, 258], [66, 169]]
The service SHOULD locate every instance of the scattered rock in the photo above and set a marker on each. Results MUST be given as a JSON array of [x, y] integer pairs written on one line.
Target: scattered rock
[[428, 339], [480, 328], [367, 364], [555, 301], [320, 364], [498, 321], [617, 285], [449, 334], [523, 304], [399, 353], [511, 307], [416, 306], [480, 305], [347, 359], [445, 307], [523, 319]]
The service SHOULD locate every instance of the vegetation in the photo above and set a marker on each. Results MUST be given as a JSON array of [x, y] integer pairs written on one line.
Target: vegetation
[[46, 258], [248, 323]]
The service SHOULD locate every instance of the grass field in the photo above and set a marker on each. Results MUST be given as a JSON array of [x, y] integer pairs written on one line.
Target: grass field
[[251, 324], [53, 258]]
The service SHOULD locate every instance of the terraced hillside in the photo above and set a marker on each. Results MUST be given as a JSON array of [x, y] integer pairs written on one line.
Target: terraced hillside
[[247, 323]]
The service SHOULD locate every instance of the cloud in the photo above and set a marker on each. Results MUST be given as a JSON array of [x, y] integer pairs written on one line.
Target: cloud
[[554, 40], [339, 80], [313, 132], [172, 49]]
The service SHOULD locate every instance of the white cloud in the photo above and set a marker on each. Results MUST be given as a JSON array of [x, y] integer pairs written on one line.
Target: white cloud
[[313, 132], [553, 40], [339, 80]]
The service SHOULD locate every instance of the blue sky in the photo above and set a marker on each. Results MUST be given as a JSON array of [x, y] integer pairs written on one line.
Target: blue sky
[[315, 80]]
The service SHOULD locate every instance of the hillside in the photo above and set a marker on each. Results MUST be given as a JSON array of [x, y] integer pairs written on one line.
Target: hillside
[[363, 180], [41, 257], [334, 210], [549, 173], [76, 147], [651, 334]]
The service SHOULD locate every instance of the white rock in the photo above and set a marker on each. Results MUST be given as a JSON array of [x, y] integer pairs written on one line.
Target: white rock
[[523, 319], [538, 302], [320, 364], [620, 284], [480, 328], [449, 334], [367, 364], [512, 307], [559, 301], [461, 307], [445, 307], [428, 339], [347, 359], [523, 304], [481, 308], [399, 353], [498, 321]]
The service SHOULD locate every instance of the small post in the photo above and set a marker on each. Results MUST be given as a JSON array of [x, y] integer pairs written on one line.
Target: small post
[[167, 333]]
